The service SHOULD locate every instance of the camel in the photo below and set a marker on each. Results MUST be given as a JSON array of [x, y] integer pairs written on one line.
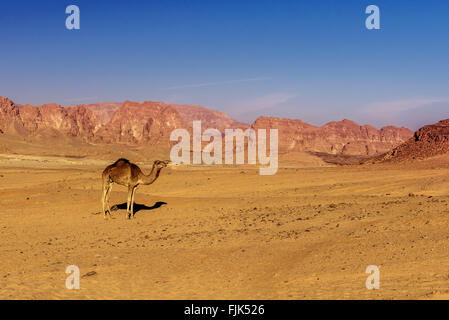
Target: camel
[[127, 174]]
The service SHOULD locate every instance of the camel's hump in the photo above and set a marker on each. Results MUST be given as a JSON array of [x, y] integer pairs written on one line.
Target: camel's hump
[[122, 160]]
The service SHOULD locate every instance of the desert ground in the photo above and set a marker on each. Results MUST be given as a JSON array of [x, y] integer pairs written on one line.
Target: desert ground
[[206, 232]]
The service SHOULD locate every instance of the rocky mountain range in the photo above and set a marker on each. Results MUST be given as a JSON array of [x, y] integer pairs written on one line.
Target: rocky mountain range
[[344, 137], [142, 123]]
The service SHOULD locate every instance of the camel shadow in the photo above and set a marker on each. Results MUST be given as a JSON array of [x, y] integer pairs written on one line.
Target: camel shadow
[[138, 207]]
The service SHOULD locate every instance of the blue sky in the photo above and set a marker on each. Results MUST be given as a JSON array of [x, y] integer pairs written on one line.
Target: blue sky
[[312, 60]]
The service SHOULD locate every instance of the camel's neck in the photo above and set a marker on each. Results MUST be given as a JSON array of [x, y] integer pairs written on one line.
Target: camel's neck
[[152, 176]]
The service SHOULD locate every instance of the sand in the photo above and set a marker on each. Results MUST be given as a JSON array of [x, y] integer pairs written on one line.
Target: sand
[[225, 232]]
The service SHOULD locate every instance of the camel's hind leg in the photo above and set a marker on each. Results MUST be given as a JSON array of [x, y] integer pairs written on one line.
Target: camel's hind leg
[[132, 200], [105, 199]]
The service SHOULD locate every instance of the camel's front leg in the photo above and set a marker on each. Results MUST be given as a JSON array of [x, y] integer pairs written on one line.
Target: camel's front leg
[[128, 202], [108, 196]]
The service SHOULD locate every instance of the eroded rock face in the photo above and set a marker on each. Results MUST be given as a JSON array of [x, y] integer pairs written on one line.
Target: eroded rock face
[[342, 137], [104, 111], [431, 140], [48, 119], [9, 112], [54, 120], [109, 122], [209, 118], [83, 122], [141, 123]]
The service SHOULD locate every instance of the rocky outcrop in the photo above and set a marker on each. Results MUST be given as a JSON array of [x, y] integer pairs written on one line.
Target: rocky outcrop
[[429, 141], [9, 113]]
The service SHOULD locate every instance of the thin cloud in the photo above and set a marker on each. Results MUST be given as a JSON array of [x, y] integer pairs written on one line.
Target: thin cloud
[[209, 84], [267, 101], [80, 99], [269, 104], [394, 107], [412, 113]]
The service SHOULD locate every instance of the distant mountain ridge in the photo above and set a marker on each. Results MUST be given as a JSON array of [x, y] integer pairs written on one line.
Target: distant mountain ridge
[[344, 137], [149, 122]]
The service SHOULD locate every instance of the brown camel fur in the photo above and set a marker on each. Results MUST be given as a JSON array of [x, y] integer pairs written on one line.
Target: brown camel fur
[[127, 174]]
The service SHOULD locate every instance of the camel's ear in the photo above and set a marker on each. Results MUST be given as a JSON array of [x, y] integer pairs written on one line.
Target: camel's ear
[[169, 163]]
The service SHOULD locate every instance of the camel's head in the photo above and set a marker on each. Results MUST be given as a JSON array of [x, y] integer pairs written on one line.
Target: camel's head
[[159, 164]]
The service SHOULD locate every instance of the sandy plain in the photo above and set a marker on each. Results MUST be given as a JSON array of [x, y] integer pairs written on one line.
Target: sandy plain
[[308, 232]]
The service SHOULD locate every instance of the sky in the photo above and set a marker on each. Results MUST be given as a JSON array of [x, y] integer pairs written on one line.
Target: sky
[[309, 60]]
